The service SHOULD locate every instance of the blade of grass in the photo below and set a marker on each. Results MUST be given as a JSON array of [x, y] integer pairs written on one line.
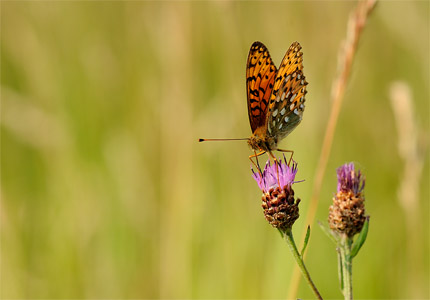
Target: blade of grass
[[360, 239], [305, 243]]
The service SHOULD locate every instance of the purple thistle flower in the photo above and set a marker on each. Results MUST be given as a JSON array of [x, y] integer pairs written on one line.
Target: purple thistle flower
[[347, 214], [270, 174], [280, 207], [349, 180]]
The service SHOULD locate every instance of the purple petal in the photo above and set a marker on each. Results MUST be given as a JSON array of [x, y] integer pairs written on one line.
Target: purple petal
[[269, 178], [349, 179]]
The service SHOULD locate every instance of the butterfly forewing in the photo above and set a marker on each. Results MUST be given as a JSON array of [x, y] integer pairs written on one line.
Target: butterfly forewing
[[288, 96], [260, 78]]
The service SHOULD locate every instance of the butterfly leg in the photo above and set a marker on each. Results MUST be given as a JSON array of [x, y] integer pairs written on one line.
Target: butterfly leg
[[277, 166], [257, 165], [291, 156]]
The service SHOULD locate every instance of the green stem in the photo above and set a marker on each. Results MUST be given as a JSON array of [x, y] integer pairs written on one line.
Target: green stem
[[346, 262], [288, 234], [340, 268]]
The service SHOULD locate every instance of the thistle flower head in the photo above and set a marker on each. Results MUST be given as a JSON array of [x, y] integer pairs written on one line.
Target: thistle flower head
[[268, 179], [279, 205], [347, 214]]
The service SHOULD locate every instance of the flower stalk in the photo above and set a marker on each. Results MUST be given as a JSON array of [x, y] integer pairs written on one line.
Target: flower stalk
[[281, 208], [346, 219], [345, 261], [288, 235]]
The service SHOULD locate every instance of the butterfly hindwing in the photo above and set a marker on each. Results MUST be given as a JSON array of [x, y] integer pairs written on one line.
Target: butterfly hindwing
[[288, 95], [260, 78]]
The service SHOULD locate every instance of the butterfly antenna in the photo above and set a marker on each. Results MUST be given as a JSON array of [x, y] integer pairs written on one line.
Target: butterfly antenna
[[218, 140]]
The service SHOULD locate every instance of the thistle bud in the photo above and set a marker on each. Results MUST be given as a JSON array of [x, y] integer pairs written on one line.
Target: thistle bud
[[347, 214]]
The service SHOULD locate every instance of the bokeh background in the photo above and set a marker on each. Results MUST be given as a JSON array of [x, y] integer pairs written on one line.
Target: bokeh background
[[106, 193]]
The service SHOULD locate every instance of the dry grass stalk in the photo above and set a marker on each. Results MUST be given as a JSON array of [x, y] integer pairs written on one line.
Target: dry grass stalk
[[408, 191]]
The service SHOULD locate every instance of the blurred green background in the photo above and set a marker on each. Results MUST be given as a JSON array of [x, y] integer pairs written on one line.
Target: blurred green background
[[106, 193]]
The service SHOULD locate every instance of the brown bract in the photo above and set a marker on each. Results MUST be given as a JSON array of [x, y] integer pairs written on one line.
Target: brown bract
[[347, 214], [280, 208]]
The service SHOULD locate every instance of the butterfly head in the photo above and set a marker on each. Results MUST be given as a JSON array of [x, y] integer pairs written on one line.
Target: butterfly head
[[260, 141]]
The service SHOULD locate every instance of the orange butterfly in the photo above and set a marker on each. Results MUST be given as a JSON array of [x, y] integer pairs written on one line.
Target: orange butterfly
[[275, 97]]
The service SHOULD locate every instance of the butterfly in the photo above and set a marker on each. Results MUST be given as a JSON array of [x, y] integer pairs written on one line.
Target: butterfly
[[275, 97]]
